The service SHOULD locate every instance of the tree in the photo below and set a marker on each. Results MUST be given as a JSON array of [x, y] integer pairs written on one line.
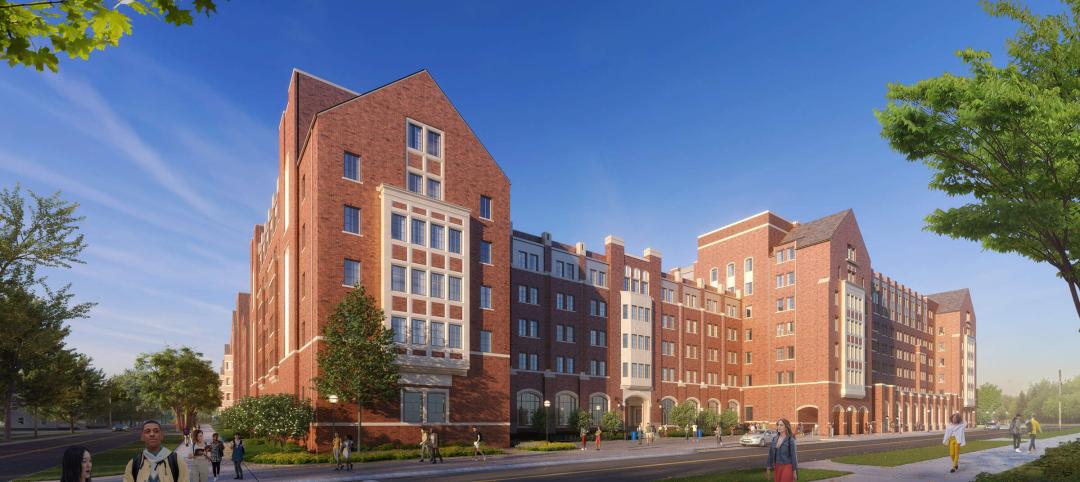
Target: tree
[[39, 389], [684, 414], [277, 417], [179, 380], [32, 32], [708, 419], [122, 402], [44, 234], [539, 419], [611, 422], [728, 419], [989, 404], [1020, 404], [81, 384], [358, 362], [1005, 138], [580, 420]]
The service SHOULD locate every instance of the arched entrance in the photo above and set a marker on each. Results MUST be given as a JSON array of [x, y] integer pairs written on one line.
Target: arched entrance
[[849, 421], [807, 416], [835, 421], [864, 421], [635, 410]]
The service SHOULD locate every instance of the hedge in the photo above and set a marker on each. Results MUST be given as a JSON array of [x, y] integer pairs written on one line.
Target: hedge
[[547, 446]]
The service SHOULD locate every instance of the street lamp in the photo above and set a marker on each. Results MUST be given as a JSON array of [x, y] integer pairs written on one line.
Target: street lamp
[[547, 421], [333, 412]]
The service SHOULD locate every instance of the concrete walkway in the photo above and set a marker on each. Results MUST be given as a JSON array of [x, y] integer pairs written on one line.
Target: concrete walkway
[[993, 460]]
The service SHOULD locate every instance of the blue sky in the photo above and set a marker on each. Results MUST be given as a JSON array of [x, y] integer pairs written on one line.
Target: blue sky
[[664, 119]]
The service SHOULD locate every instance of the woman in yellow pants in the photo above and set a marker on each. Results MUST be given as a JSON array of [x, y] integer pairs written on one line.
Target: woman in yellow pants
[[954, 438]]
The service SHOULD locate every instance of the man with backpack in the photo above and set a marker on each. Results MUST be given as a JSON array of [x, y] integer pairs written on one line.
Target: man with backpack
[[1015, 428], [1033, 428], [156, 463]]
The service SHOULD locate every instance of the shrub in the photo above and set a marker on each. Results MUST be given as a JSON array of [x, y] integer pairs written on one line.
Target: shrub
[[294, 458], [547, 446], [1061, 462]]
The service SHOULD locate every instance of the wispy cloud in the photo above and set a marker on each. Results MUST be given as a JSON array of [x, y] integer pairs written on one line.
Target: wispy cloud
[[99, 120]]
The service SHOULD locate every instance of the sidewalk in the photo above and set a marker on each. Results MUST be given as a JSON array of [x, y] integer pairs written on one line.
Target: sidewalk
[[992, 460]]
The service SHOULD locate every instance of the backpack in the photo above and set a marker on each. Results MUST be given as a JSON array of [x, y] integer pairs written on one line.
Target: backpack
[[1027, 426], [137, 461]]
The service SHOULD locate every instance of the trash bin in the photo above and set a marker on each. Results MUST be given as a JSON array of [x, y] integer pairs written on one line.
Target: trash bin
[[633, 435], [699, 433]]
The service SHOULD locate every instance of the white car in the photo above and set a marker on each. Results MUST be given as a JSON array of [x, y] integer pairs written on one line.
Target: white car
[[759, 439]]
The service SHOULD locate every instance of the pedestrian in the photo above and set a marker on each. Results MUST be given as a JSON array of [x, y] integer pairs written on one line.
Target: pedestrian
[[199, 455], [1014, 428], [75, 465], [336, 448], [954, 438], [1033, 429], [217, 452], [477, 440], [719, 432], [346, 451], [425, 444], [238, 456], [434, 441], [584, 433], [652, 433], [783, 455], [815, 429], [640, 431], [598, 433], [799, 430], [155, 462]]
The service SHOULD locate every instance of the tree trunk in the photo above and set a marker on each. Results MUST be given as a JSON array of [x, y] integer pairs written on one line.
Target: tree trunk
[[71, 424], [359, 424], [35, 426]]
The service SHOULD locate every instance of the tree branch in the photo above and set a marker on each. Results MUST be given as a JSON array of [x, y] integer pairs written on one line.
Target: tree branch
[[31, 4]]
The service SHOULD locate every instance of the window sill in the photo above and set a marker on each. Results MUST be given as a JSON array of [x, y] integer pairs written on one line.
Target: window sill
[[352, 233], [357, 181]]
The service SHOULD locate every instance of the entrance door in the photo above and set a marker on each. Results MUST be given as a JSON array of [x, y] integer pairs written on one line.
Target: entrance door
[[633, 416]]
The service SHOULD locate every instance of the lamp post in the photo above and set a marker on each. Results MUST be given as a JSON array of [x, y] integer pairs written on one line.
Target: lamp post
[[547, 419], [333, 412], [623, 411]]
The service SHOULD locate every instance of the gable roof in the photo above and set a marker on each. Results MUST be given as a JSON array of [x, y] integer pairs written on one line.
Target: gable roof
[[950, 301], [816, 231]]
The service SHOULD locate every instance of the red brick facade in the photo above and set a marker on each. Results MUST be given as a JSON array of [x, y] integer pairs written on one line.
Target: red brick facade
[[774, 319]]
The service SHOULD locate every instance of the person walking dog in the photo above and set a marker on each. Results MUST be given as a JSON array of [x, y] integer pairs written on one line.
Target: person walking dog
[[954, 438], [783, 455]]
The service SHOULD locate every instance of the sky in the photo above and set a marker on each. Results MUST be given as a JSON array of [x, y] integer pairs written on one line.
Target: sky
[[653, 121]]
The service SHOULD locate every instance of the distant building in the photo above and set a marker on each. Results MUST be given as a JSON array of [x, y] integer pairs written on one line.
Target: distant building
[[226, 376]]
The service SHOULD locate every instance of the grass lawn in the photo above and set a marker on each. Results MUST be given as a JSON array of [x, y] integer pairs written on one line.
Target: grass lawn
[[758, 475], [110, 462], [893, 458]]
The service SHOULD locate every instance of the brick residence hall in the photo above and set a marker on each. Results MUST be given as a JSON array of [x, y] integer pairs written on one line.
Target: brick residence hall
[[391, 188]]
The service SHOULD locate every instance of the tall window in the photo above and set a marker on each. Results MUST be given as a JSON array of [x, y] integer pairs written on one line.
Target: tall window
[[748, 265], [397, 227], [567, 404], [417, 335], [434, 189], [485, 297], [454, 289], [455, 336], [597, 407], [352, 220], [436, 236], [434, 143], [397, 278], [351, 163], [485, 252], [666, 405], [485, 342], [416, 183], [352, 272], [415, 133], [418, 227], [437, 333], [400, 329], [485, 207], [454, 241], [418, 282], [437, 280], [528, 404]]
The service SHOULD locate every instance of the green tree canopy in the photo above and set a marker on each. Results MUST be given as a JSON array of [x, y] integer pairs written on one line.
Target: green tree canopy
[[684, 414], [278, 417], [81, 390], [611, 422], [179, 380], [32, 32], [1006, 139], [357, 362], [990, 405]]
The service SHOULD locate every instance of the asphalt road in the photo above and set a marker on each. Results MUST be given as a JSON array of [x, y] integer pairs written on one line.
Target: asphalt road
[[657, 468], [29, 456]]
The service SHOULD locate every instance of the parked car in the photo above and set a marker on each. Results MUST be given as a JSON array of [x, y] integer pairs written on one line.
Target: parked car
[[119, 428], [759, 439]]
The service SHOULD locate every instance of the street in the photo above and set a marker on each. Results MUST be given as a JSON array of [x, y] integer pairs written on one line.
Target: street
[[24, 457]]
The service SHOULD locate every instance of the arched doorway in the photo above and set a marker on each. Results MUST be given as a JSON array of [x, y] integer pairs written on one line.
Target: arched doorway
[[807, 418], [849, 421], [635, 409], [864, 421], [835, 421]]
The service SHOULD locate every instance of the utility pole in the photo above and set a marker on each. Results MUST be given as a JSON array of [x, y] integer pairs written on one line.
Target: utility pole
[[1059, 399]]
